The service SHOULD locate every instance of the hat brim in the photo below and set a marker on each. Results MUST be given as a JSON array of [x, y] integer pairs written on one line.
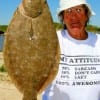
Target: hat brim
[[59, 10]]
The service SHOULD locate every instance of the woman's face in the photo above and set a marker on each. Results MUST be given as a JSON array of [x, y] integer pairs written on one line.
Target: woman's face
[[75, 18]]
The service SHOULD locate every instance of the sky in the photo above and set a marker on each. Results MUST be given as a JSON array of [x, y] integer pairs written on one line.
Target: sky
[[8, 7]]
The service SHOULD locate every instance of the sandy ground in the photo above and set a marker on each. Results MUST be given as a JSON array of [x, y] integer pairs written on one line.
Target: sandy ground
[[7, 89]]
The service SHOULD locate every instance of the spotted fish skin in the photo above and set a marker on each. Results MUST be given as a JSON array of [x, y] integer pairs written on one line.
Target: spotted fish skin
[[31, 54]]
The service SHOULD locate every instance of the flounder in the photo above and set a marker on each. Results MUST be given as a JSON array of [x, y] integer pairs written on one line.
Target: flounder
[[31, 48]]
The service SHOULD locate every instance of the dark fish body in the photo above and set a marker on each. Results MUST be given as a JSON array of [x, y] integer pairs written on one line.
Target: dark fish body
[[31, 48]]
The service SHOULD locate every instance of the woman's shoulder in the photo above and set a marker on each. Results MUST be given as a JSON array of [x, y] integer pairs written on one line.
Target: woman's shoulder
[[98, 37], [94, 37], [59, 31], [98, 34], [94, 34]]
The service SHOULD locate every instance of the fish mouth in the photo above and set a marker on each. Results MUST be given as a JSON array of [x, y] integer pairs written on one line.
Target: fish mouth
[[32, 8]]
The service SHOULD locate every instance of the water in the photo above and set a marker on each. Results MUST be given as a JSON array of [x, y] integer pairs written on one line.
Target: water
[[1, 42]]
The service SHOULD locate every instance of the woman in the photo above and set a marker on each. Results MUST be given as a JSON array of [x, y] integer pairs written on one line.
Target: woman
[[78, 77]]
